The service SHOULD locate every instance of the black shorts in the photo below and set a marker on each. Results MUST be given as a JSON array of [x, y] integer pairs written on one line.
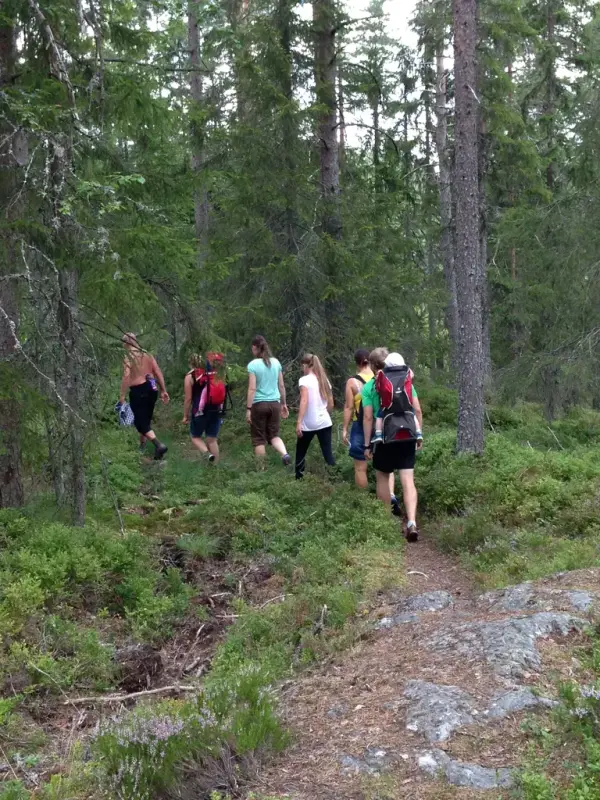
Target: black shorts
[[394, 455], [142, 400]]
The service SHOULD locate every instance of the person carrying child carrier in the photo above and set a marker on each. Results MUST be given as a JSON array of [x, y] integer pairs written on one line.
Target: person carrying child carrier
[[205, 396], [392, 401], [353, 416]]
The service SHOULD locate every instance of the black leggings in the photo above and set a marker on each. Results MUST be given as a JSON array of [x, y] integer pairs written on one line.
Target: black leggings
[[142, 400], [303, 443]]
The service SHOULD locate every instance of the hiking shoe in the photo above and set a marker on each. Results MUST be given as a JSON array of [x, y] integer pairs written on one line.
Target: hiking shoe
[[160, 452], [286, 460], [412, 533], [211, 457], [396, 510]]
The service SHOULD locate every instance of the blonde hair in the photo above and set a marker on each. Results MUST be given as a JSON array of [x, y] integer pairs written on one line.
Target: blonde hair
[[378, 357], [314, 362], [195, 361]]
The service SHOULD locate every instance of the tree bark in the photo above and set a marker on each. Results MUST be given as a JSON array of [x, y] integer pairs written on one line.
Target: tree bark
[[201, 210], [469, 282], [69, 335], [13, 155], [325, 82], [445, 190], [331, 224]]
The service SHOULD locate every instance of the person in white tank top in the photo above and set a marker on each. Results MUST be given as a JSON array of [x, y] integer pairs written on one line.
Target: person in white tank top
[[316, 400]]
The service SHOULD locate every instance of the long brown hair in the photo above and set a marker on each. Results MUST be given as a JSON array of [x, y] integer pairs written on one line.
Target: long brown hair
[[264, 351], [314, 362]]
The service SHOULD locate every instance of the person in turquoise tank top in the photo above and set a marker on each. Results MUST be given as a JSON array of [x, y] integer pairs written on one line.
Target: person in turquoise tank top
[[266, 401]]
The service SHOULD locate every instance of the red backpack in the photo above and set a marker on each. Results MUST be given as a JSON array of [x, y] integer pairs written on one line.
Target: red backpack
[[207, 378]]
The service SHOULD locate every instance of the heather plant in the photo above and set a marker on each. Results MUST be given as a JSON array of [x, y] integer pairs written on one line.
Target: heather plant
[[139, 750]]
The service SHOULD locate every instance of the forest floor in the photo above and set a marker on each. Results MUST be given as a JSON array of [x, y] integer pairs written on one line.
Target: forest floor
[[433, 704], [394, 670]]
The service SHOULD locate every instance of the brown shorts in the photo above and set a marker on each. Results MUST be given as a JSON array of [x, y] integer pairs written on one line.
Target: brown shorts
[[264, 422]]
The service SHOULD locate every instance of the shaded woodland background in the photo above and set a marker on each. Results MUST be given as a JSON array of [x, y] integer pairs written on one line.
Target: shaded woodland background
[[198, 172]]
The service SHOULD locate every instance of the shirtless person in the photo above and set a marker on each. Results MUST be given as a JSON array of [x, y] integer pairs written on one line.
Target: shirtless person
[[141, 374]]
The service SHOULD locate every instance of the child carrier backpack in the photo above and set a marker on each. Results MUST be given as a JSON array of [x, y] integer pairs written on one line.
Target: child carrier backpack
[[217, 391], [394, 387]]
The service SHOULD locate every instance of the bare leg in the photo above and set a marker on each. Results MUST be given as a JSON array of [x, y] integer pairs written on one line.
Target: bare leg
[[213, 447], [409, 491], [277, 444], [392, 483], [383, 489], [199, 444], [151, 435], [260, 451], [360, 474]]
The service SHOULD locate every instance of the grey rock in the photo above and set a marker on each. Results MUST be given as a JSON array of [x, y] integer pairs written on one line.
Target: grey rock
[[338, 711], [459, 773], [437, 711], [374, 761], [528, 597], [508, 645], [511, 702], [580, 600], [429, 601], [397, 619], [513, 598]]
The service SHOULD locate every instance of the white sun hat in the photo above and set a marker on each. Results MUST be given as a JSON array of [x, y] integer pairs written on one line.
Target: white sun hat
[[394, 360]]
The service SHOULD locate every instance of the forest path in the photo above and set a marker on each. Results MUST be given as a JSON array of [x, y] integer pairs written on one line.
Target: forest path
[[430, 703]]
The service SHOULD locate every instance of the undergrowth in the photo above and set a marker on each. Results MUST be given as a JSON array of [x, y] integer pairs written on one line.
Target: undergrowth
[[528, 507], [70, 600], [565, 764]]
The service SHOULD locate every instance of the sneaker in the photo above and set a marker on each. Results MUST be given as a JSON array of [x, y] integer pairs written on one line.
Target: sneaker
[[160, 452], [412, 533], [286, 460], [211, 457], [396, 510]]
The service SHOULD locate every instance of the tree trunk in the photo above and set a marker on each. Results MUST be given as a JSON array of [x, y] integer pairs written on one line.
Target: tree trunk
[[445, 188], [201, 212], [469, 282], [325, 81], [331, 224], [342, 126], [69, 335], [13, 155]]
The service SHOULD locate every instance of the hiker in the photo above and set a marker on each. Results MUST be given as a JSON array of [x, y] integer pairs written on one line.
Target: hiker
[[142, 376], [353, 412], [266, 402], [401, 435], [316, 400], [204, 400]]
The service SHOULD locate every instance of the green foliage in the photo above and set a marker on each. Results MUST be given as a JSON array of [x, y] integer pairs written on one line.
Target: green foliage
[[526, 508]]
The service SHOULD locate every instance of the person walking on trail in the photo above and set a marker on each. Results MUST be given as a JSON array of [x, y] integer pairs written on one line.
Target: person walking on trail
[[204, 398], [316, 400], [353, 416], [266, 401], [143, 377], [397, 450]]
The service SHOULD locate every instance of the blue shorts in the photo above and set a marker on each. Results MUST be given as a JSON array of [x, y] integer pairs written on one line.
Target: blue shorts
[[357, 442], [205, 425]]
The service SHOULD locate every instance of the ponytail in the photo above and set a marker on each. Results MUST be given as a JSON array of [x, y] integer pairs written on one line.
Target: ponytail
[[264, 351], [314, 362]]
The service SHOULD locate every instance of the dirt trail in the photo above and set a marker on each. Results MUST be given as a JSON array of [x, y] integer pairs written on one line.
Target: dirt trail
[[430, 705]]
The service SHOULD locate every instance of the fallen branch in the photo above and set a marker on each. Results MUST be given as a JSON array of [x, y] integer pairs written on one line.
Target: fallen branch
[[119, 698]]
